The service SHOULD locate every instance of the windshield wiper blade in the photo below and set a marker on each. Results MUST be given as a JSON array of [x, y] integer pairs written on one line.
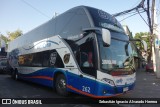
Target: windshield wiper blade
[[130, 66], [115, 68]]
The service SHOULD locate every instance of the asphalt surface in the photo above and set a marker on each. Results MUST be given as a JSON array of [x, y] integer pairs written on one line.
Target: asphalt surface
[[147, 86]]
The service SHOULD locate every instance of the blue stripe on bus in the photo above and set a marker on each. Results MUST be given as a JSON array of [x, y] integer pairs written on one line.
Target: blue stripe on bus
[[97, 89], [45, 77], [48, 41]]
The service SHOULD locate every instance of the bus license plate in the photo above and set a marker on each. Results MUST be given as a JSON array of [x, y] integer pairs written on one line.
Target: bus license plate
[[125, 89]]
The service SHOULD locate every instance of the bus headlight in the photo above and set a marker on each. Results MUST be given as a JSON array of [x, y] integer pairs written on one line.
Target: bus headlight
[[108, 81]]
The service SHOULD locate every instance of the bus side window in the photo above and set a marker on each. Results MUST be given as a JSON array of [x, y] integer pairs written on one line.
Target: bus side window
[[55, 60], [86, 57], [45, 59], [25, 60], [37, 59]]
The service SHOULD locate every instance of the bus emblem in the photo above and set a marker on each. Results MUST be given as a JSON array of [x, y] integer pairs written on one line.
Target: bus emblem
[[66, 58]]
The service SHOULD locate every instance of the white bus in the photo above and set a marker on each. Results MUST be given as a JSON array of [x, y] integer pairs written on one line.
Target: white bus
[[83, 50]]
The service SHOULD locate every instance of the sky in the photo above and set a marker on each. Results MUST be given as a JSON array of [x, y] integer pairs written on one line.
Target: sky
[[28, 14]]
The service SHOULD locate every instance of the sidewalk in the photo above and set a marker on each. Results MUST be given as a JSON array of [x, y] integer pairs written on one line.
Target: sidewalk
[[147, 86]]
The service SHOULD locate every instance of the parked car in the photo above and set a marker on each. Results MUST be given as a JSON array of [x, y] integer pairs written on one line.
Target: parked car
[[3, 65], [149, 67]]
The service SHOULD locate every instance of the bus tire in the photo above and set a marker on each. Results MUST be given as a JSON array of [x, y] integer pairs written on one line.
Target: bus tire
[[16, 75], [61, 85]]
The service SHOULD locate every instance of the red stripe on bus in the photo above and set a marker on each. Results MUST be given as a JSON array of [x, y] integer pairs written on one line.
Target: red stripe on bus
[[91, 95], [41, 77]]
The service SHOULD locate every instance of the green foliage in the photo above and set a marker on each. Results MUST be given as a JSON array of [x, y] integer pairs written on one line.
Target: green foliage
[[143, 36], [4, 38], [10, 36], [14, 35]]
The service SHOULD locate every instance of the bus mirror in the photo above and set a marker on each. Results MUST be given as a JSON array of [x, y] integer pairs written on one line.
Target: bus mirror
[[142, 41], [144, 45], [106, 37]]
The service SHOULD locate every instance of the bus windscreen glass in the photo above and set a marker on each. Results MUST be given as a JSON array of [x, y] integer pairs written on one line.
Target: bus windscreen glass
[[118, 55]]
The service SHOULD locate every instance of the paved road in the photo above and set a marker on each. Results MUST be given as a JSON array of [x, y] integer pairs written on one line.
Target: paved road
[[22, 89], [10, 88], [147, 86]]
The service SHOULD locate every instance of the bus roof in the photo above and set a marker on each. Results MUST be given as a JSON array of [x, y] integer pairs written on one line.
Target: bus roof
[[69, 23]]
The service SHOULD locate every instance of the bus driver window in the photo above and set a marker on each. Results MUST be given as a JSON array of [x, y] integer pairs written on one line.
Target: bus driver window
[[87, 59]]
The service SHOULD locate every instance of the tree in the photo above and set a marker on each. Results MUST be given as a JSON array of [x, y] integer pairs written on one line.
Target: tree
[[4, 38], [147, 38], [14, 35], [11, 36]]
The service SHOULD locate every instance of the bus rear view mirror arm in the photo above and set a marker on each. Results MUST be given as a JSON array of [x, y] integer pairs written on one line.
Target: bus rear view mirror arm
[[106, 36], [91, 29]]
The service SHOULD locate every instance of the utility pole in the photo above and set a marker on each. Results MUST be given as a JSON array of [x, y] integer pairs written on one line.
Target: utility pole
[[155, 48]]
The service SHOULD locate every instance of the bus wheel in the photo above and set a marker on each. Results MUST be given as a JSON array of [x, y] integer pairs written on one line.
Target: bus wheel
[[61, 85], [16, 75]]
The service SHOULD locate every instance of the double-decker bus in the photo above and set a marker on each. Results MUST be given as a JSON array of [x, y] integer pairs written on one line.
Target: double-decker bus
[[84, 50]]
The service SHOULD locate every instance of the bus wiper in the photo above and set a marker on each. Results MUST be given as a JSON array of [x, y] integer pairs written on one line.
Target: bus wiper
[[129, 64], [126, 63], [115, 67]]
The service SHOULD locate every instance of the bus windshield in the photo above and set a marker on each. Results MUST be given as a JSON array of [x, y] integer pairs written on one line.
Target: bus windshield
[[118, 55]]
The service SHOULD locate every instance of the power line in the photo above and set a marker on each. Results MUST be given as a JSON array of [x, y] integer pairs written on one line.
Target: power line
[[35, 8], [135, 3], [142, 18], [135, 13], [148, 14], [140, 5], [128, 17], [137, 9]]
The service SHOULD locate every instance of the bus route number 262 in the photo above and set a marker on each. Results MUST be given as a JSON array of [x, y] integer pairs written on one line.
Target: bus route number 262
[[86, 89]]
